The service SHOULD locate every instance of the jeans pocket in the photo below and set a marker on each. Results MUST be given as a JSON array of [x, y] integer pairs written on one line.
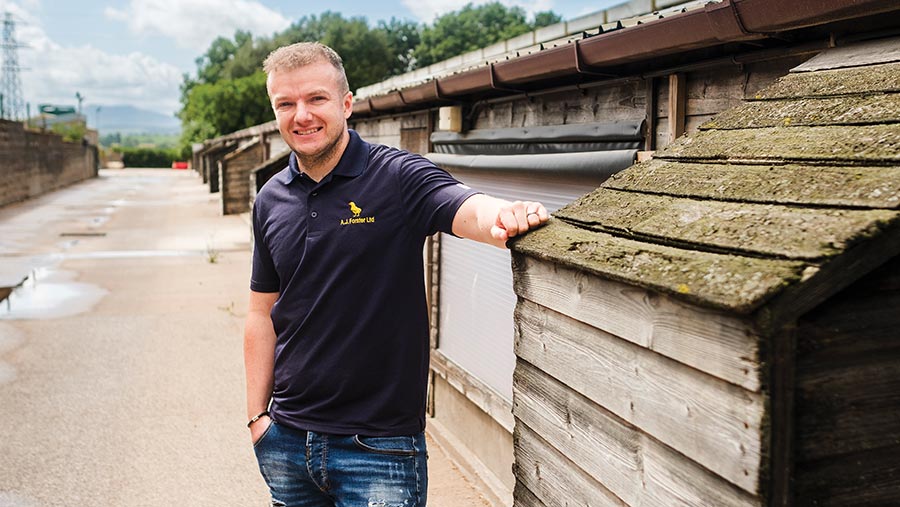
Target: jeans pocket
[[265, 433], [391, 446]]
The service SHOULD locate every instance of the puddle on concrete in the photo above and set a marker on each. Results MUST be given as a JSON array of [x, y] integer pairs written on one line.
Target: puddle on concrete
[[49, 293]]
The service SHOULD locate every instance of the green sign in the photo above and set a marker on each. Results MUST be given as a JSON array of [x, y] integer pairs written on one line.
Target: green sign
[[56, 110]]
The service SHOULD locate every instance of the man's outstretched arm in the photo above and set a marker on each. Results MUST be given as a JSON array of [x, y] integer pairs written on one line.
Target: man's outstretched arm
[[259, 358], [493, 221]]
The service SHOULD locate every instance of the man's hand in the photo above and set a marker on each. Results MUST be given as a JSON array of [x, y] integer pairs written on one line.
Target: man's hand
[[518, 217], [493, 221], [259, 427]]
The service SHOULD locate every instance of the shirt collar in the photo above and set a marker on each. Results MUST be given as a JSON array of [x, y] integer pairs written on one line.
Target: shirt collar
[[352, 163]]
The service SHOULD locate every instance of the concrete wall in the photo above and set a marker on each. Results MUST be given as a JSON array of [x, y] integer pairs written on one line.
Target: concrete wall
[[234, 177], [481, 447], [34, 163]]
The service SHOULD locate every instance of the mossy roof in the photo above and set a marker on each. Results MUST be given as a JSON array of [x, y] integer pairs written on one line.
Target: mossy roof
[[780, 201]]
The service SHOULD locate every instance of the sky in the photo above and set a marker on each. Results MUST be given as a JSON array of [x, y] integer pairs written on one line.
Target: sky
[[135, 52]]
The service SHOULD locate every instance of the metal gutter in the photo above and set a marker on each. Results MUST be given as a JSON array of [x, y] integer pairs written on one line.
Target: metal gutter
[[714, 25]]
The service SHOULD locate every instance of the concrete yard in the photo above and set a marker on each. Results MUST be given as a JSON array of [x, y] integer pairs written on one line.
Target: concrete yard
[[121, 376]]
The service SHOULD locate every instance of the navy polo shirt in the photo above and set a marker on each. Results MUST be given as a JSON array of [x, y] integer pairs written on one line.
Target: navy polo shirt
[[345, 256]]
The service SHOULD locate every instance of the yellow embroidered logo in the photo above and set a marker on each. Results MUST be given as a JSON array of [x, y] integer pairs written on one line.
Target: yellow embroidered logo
[[356, 219]]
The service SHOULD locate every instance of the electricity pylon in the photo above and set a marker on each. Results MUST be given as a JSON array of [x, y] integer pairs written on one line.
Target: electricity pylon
[[12, 106]]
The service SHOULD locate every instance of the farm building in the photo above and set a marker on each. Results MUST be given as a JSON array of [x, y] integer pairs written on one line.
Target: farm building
[[719, 325], [550, 116]]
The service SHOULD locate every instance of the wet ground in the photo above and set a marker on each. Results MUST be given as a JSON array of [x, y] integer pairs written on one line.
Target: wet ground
[[121, 376]]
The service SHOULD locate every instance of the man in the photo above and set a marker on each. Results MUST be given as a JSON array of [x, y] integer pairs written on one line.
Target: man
[[336, 340]]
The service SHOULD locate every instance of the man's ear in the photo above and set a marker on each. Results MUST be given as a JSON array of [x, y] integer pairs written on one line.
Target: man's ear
[[348, 104]]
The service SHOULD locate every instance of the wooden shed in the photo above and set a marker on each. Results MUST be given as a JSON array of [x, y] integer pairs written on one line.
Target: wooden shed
[[720, 325]]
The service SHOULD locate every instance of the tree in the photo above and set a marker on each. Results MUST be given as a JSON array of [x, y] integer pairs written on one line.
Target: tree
[[546, 18], [366, 52], [211, 63], [402, 38], [214, 109], [467, 29]]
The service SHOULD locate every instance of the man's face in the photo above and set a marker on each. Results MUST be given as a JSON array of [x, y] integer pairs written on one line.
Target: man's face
[[310, 108]]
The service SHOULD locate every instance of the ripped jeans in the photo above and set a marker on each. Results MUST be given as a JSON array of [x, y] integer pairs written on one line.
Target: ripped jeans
[[308, 469]]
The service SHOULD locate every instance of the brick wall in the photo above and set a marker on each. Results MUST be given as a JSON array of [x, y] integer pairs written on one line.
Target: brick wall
[[34, 163], [234, 177]]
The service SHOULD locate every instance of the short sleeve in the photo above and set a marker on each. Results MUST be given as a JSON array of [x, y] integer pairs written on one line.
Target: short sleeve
[[431, 196], [263, 277]]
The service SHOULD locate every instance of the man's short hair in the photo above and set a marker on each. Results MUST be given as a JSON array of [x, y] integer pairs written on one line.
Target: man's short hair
[[300, 54]]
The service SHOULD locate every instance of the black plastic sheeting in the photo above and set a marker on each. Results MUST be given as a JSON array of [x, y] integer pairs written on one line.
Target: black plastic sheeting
[[555, 134], [533, 148], [588, 164], [592, 150]]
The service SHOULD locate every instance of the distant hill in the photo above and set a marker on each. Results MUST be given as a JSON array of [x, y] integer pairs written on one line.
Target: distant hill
[[131, 120]]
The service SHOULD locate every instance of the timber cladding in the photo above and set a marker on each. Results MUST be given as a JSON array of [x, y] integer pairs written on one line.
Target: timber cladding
[[718, 326], [234, 177]]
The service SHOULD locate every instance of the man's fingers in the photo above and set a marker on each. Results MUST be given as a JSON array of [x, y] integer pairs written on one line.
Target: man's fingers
[[518, 217], [507, 220], [499, 233]]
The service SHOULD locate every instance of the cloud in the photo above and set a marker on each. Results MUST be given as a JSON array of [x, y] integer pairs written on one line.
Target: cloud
[[427, 10], [103, 78], [194, 24], [52, 73]]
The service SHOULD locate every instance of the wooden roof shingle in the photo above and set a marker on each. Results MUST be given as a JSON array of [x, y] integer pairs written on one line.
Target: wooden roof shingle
[[777, 203]]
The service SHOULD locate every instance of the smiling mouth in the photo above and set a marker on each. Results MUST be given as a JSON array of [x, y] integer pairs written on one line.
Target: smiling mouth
[[307, 131]]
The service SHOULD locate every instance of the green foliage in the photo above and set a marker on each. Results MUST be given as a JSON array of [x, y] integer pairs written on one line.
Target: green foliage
[[72, 132], [546, 18], [148, 157], [229, 93], [467, 29], [402, 39], [213, 109], [146, 140], [365, 51]]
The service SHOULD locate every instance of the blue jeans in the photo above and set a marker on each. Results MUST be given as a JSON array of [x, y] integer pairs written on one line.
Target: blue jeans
[[308, 469]]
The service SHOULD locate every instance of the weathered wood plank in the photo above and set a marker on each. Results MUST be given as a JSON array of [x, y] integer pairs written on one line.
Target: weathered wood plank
[[762, 229], [721, 345], [622, 101], [854, 110], [852, 81], [854, 324], [830, 278], [677, 103], [552, 478], [523, 497], [605, 447], [711, 91], [866, 478], [635, 467], [863, 144], [728, 282], [848, 409], [869, 187], [714, 423]]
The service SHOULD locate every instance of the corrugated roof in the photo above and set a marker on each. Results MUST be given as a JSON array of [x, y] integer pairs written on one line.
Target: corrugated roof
[[777, 203]]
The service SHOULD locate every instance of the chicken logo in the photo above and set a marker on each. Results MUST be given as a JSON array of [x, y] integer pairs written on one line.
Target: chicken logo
[[356, 218]]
